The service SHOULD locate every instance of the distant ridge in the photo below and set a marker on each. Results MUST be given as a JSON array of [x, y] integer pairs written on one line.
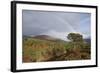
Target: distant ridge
[[88, 40], [44, 37]]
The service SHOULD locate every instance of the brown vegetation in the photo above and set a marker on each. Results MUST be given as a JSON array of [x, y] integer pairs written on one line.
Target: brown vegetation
[[38, 50]]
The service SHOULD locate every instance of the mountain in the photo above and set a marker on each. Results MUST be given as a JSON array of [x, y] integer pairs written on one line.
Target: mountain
[[44, 37], [47, 37], [88, 40]]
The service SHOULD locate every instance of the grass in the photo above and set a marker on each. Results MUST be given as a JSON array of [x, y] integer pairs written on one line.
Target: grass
[[36, 50]]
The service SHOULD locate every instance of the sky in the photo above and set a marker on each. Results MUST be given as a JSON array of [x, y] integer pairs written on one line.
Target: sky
[[55, 24]]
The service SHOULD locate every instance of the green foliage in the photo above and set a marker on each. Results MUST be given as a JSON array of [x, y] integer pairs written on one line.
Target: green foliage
[[75, 37]]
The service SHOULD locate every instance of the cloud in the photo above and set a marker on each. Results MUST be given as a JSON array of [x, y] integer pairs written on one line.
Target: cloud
[[57, 24]]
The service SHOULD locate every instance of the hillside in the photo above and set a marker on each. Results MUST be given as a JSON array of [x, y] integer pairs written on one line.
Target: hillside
[[88, 40], [42, 48], [44, 37]]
